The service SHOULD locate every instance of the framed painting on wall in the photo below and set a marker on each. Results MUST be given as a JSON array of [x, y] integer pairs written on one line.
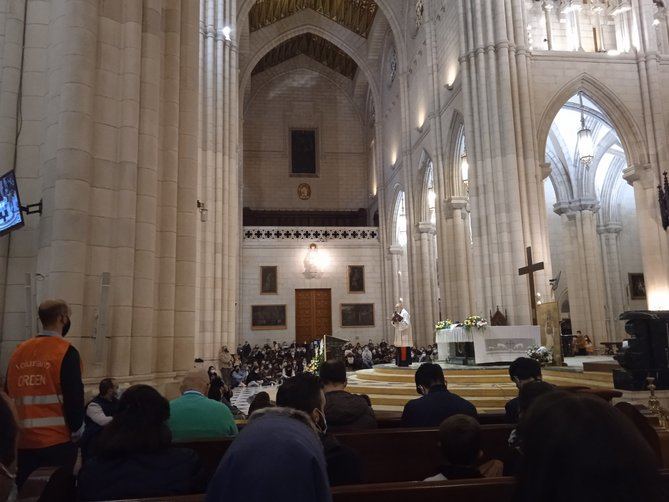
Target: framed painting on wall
[[268, 317], [303, 152], [637, 285], [357, 315], [269, 281], [356, 278]]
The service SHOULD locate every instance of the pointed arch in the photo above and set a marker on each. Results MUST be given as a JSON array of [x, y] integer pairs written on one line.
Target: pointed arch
[[399, 227], [427, 194], [631, 136], [456, 144]]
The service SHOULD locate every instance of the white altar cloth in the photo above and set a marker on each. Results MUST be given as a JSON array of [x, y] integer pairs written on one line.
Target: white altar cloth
[[494, 344]]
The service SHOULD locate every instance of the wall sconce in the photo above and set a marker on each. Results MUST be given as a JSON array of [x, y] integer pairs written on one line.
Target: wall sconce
[[202, 207], [450, 86], [226, 32], [420, 128]]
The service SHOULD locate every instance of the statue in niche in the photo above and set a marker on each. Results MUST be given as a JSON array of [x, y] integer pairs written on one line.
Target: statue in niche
[[312, 267], [420, 9]]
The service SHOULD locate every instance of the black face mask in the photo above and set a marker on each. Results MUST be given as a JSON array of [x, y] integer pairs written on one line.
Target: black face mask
[[66, 327]]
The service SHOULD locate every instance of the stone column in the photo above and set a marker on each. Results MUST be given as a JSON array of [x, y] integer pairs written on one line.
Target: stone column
[[505, 178], [218, 180], [429, 295], [587, 291], [397, 252], [609, 235], [457, 260], [653, 241]]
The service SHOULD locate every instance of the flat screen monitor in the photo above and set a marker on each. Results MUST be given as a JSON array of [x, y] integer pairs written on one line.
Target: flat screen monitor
[[11, 217]]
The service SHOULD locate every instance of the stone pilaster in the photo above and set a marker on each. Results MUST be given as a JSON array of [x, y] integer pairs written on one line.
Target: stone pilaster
[[218, 179], [505, 178]]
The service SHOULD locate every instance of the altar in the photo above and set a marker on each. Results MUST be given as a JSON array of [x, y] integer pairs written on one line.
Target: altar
[[493, 344]]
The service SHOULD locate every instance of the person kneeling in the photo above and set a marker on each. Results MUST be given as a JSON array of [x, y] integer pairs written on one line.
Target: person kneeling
[[460, 443]]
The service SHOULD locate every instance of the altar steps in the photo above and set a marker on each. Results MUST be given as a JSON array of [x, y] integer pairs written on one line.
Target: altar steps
[[488, 389]]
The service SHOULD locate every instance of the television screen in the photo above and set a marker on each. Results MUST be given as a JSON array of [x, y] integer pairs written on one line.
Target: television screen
[[11, 217]]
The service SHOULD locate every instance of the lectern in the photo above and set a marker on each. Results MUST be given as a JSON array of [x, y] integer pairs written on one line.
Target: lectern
[[334, 348], [646, 353]]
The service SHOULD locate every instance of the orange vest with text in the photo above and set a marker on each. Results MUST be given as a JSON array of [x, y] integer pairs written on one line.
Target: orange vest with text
[[33, 382]]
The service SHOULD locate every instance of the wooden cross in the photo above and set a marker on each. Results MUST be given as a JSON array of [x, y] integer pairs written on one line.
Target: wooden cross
[[529, 270]]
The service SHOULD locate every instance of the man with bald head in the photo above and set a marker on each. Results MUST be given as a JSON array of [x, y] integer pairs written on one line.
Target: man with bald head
[[195, 416]]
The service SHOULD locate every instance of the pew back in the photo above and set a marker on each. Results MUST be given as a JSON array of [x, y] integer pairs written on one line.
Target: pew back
[[384, 452]]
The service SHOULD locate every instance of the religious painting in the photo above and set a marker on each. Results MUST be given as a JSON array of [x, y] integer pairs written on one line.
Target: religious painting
[[303, 152], [268, 317], [304, 191], [269, 282], [637, 285], [357, 315], [356, 278], [548, 319]]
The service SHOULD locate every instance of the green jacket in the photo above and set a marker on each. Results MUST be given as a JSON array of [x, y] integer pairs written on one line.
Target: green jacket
[[194, 416]]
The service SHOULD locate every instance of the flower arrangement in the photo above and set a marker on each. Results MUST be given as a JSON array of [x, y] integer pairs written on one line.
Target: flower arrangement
[[317, 361], [443, 324], [542, 355], [474, 321]]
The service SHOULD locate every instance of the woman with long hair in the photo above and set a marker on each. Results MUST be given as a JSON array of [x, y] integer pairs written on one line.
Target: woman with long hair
[[134, 457]]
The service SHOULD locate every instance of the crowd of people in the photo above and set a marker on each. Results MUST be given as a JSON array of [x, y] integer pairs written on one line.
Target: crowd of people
[[568, 447], [271, 364]]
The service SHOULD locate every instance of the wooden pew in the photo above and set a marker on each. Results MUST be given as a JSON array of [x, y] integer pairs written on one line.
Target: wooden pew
[[383, 452], [478, 490]]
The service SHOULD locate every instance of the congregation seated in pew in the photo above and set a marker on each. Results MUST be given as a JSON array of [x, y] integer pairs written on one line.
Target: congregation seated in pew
[[344, 410], [436, 403], [194, 416], [304, 392], [522, 371], [277, 457], [134, 455], [460, 444]]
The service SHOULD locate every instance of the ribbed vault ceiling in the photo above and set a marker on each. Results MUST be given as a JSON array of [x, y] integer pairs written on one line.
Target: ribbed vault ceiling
[[313, 46], [356, 15]]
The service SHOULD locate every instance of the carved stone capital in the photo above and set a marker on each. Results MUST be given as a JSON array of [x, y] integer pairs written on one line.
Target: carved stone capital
[[426, 227], [546, 169], [396, 249], [612, 227], [457, 202], [570, 208], [639, 173]]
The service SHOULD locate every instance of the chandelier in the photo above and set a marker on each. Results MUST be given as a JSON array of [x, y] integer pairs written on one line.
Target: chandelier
[[585, 146]]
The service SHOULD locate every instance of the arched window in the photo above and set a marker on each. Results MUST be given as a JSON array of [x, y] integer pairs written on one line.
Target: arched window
[[462, 158], [400, 221], [430, 193]]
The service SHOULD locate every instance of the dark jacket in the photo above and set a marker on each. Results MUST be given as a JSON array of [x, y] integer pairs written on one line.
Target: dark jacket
[[435, 407], [174, 471], [274, 459], [512, 409], [346, 411], [92, 429], [343, 464]]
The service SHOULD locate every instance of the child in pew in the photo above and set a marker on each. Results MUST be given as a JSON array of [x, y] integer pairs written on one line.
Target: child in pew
[[460, 443]]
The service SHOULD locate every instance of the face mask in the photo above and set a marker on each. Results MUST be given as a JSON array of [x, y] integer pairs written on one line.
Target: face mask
[[66, 327], [322, 423]]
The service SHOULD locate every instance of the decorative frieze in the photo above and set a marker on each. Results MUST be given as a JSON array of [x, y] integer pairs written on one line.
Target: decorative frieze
[[311, 233]]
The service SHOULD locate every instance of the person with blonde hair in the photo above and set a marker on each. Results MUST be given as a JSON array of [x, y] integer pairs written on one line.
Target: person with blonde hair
[[195, 416]]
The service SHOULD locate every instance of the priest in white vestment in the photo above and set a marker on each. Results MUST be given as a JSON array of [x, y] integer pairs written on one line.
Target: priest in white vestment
[[401, 321]]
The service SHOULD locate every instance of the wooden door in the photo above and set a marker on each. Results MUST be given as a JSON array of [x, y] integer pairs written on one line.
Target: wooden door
[[313, 314]]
